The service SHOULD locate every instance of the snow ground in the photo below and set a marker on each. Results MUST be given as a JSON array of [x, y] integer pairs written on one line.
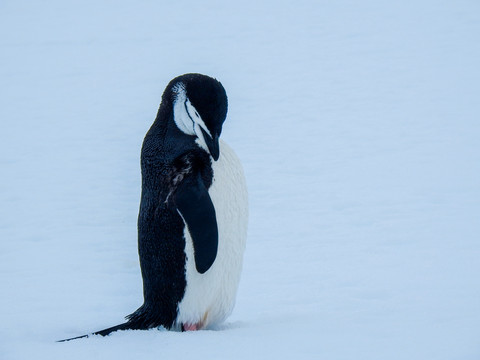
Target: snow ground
[[357, 123]]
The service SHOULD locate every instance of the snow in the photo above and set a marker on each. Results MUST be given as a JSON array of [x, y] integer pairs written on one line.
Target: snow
[[357, 124]]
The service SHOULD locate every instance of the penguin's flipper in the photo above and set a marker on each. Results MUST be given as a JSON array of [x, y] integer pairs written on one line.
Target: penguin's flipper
[[196, 207]]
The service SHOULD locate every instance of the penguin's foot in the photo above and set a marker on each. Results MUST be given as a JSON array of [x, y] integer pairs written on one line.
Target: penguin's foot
[[195, 326], [191, 327]]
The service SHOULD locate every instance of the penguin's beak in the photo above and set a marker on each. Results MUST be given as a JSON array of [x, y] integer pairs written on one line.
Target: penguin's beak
[[212, 144]]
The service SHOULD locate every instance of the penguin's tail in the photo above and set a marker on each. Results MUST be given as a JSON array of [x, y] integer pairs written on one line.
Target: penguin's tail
[[125, 326]]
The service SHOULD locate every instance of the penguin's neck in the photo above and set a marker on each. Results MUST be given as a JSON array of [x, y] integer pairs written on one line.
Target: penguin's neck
[[169, 140]]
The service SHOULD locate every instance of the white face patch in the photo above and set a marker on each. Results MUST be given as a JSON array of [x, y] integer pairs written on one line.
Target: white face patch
[[187, 118], [180, 115]]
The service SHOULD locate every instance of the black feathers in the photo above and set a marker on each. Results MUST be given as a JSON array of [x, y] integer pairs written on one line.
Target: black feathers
[[196, 207]]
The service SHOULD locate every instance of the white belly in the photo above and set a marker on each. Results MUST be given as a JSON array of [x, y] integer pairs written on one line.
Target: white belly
[[209, 298]]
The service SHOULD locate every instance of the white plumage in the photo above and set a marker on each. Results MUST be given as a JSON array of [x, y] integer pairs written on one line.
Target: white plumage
[[210, 297]]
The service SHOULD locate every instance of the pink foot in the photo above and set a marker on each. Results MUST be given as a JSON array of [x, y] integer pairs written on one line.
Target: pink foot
[[190, 327]]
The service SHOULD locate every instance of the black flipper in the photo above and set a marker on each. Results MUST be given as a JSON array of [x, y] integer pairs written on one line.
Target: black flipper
[[196, 207]]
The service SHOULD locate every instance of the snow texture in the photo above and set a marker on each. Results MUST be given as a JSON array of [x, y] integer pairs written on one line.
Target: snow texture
[[357, 123]]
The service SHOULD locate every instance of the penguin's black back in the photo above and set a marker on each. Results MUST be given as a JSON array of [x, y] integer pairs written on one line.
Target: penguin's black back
[[167, 157]]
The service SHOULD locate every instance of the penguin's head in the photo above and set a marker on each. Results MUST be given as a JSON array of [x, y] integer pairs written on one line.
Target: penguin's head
[[199, 109]]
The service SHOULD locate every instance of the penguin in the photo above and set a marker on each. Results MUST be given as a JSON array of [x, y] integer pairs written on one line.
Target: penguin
[[192, 222]]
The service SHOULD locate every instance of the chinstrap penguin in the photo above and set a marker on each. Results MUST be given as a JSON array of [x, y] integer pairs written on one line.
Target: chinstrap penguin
[[192, 223]]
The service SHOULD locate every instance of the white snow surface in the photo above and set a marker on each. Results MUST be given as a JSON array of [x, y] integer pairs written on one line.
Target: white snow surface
[[357, 123]]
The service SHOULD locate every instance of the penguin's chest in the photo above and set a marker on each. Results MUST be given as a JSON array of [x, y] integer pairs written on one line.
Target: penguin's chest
[[209, 297]]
